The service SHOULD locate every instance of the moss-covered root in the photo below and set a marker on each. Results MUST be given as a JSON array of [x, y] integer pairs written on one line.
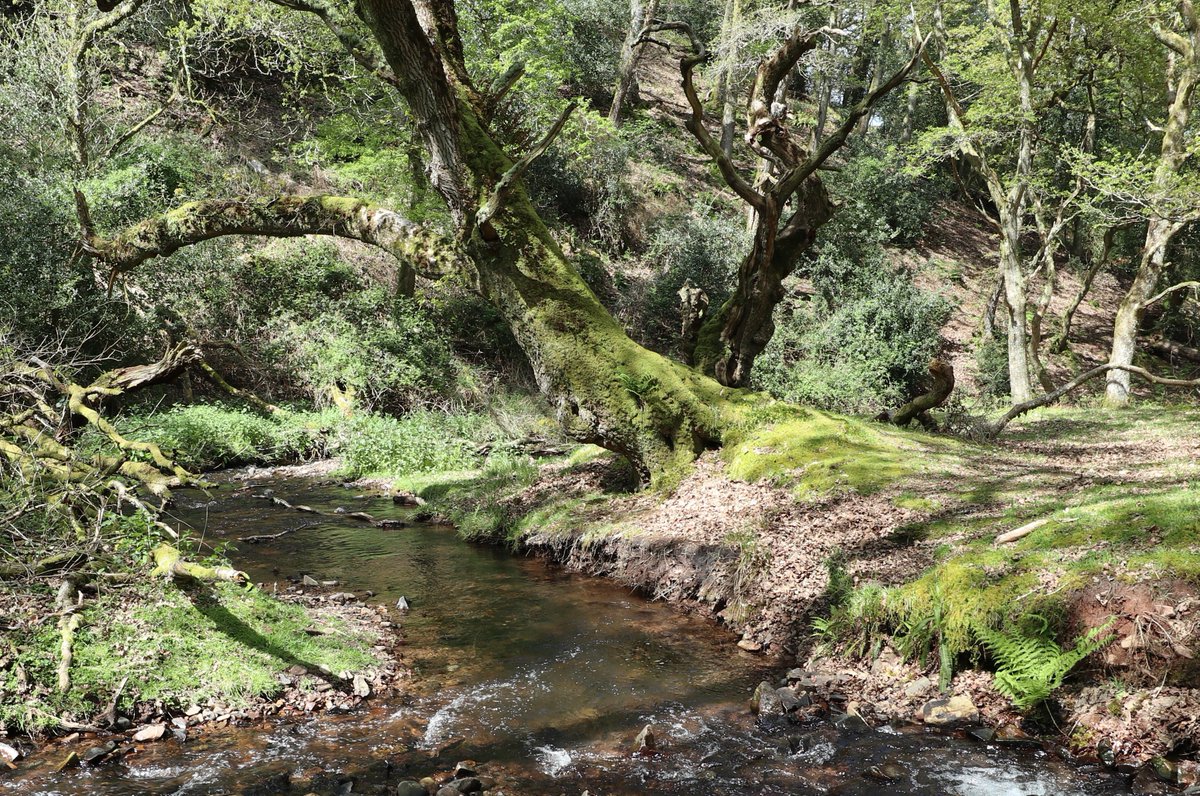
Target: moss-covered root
[[168, 561]]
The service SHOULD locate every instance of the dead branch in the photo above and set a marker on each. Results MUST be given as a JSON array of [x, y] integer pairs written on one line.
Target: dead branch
[[1016, 411], [943, 384], [169, 561]]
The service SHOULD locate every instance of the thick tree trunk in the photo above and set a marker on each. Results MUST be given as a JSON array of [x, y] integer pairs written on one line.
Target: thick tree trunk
[[1129, 313], [733, 338], [1174, 152], [1015, 299], [625, 91]]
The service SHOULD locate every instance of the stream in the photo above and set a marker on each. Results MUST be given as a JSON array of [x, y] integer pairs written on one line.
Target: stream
[[542, 676]]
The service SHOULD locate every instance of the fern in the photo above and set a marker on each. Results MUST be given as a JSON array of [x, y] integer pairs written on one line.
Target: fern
[[1031, 666]]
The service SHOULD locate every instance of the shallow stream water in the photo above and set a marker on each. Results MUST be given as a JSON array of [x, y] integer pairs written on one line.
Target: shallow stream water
[[542, 676]]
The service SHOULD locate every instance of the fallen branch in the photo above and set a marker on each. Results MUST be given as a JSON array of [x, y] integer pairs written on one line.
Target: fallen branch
[[1169, 348], [245, 395], [1023, 531], [66, 603], [168, 561], [1016, 411]]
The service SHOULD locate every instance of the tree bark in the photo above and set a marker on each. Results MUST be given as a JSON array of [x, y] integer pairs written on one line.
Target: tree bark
[[1184, 51], [640, 14], [725, 87]]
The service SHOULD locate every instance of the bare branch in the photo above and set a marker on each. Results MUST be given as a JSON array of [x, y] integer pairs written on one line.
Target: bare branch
[[510, 177], [1181, 286], [1048, 398], [695, 123], [791, 181], [355, 45]]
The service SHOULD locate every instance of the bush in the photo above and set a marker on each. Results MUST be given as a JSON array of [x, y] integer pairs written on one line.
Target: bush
[[421, 442], [703, 247], [390, 363], [863, 355], [991, 358], [876, 186], [211, 436]]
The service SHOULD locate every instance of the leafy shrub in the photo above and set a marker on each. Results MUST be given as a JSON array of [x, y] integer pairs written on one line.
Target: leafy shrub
[[210, 436], [389, 363], [865, 354], [583, 179], [991, 359], [876, 185], [423, 441], [154, 174], [703, 247]]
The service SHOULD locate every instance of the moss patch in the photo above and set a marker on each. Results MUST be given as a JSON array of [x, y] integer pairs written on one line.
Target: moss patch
[[818, 453], [180, 646]]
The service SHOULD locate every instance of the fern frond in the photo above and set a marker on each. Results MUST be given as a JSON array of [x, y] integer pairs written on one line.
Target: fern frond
[[1029, 667]]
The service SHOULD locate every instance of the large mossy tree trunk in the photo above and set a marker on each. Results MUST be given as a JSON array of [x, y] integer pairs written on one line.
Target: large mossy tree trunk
[[606, 389]]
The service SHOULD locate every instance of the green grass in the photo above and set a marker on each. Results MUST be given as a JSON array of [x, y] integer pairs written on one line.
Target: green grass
[[179, 645], [211, 436]]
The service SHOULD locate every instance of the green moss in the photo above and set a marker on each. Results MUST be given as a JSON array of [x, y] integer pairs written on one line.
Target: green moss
[[181, 646], [907, 500], [819, 453]]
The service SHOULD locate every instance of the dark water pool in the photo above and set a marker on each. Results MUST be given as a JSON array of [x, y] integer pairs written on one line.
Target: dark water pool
[[542, 676]]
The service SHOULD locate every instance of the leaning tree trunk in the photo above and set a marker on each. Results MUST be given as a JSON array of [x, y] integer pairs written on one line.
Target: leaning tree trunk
[[640, 13], [1129, 313], [1174, 153]]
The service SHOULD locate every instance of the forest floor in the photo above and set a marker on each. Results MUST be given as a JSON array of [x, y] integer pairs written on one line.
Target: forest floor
[[906, 524]]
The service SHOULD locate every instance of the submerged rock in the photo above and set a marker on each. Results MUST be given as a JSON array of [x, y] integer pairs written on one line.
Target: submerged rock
[[889, 771], [851, 723], [96, 754]]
